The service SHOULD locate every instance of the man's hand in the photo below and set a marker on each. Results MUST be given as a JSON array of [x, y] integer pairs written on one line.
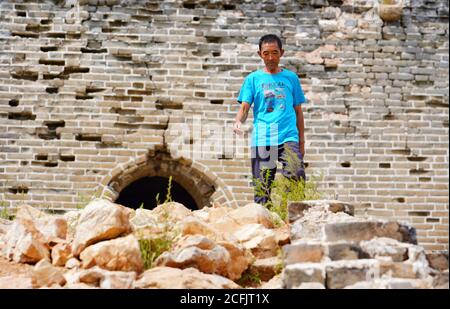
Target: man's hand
[[302, 148], [241, 117], [237, 127]]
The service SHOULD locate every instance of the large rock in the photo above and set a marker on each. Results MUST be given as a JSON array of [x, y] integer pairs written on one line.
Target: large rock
[[252, 213], [100, 278], [24, 243], [61, 253], [46, 275], [174, 278], [198, 251], [258, 239], [171, 212], [29, 213], [240, 259], [212, 214], [121, 254], [52, 227], [71, 218], [266, 269], [282, 235], [72, 263], [144, 218], [226, 225], [213, 260], [195, 226], [100, 220]]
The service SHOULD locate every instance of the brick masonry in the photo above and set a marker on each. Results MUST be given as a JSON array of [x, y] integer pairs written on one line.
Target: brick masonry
[[95, 94]]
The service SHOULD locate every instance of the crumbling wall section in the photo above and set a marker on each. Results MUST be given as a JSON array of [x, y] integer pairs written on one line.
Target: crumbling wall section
[[86, 86]]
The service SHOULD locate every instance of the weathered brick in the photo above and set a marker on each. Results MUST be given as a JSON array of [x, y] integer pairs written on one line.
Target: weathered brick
[[295, 274], [300, 252], [340, 274], [366, 230]]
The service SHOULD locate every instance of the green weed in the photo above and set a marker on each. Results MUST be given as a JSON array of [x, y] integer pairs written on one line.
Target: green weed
[[285, 189]]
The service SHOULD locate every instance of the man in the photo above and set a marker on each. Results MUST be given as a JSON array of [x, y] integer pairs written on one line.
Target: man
[[276, 96]]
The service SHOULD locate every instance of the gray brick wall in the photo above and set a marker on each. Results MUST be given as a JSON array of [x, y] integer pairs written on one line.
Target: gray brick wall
[[95, 94]]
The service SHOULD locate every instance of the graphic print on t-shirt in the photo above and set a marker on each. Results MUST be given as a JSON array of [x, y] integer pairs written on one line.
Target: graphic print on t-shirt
[[274, 95]]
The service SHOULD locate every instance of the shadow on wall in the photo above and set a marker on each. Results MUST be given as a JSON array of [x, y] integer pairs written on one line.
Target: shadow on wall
[[147, 189]]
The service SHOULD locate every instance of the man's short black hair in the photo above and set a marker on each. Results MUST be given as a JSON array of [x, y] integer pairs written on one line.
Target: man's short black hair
[[270, 38]]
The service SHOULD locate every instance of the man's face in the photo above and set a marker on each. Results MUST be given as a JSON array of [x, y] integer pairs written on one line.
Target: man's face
[[270, 53]]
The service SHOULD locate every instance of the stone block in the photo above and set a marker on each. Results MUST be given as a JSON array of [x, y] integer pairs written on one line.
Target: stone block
[[340, 274], [302, 251], [366, 230], [398, 269], [438, 260], [345, 251], [296, 274], [266, 268], [385, 247], [440, 281]]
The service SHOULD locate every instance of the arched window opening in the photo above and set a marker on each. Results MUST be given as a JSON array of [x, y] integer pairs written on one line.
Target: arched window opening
[[146, 190]]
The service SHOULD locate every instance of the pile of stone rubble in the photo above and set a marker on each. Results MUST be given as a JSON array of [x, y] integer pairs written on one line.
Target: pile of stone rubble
[[330, 248], [322, 246]]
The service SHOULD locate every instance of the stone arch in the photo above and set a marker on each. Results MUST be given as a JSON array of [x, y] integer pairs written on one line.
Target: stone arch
[[202, 184]]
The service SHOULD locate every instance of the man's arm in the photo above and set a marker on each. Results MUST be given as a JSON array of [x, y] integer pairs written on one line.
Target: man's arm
[[241, 117], [301, 128]]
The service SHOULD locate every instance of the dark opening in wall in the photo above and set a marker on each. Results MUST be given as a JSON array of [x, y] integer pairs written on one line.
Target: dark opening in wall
[[41, 157], [146, 189], [346, 164], [190, 6], [51, 89], [229, 6], [23, 115], [93, 50], [18, 189], [49, 48], [213, 39], [13, 102], [88, 137]]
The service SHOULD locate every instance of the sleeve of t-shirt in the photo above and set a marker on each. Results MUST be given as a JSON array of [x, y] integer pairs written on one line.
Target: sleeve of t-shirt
[[299, 96], [247, 92]]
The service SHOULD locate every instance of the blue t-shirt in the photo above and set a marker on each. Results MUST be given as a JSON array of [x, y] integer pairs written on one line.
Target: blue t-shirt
[[273, 97]]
